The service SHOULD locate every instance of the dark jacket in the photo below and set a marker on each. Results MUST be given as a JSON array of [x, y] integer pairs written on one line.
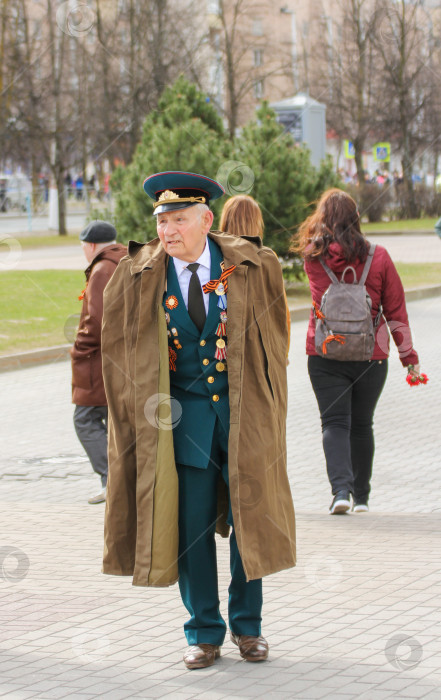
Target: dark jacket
[[383, 285], [87, 377]]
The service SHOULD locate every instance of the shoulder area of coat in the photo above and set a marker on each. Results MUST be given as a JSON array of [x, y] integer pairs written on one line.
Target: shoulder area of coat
[[110, 254], [235, 250]]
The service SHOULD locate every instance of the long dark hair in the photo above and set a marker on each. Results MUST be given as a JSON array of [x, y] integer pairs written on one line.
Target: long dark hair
[[336, 218]]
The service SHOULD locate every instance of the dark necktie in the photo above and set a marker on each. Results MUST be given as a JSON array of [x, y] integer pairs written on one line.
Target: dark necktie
[[196, 306]]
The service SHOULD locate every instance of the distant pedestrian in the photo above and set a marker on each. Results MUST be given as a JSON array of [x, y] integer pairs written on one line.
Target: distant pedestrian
[[90, 417], [2, 195], [79, 186], [68, 184], [106, 188], [347, 391]]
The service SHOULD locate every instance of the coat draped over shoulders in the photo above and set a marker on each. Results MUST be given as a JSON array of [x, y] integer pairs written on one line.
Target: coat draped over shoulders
[[141, 522]]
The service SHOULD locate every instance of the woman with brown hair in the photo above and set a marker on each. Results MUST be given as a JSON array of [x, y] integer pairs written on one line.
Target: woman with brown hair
[[241, 216], [347, 391]]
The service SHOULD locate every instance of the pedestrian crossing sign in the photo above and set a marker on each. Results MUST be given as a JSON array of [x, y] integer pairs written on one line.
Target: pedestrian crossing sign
[[381, 152], [349, 149]]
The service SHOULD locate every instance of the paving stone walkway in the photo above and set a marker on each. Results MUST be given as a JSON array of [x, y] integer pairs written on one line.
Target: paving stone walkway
[[359, 617]]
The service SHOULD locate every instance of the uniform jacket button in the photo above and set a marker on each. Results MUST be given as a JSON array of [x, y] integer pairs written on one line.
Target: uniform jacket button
[[210, 380], [215, 397]]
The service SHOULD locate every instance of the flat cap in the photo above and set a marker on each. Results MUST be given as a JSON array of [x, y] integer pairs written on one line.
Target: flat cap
[[98, 232]]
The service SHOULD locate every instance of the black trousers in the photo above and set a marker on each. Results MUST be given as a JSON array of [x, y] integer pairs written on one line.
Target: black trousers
[[347, 394]]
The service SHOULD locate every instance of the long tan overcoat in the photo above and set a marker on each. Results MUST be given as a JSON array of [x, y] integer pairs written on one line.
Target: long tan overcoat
[[141, 522]]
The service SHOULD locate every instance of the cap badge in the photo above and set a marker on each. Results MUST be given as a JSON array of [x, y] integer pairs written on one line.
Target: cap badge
[[170, 197], [167, 194]]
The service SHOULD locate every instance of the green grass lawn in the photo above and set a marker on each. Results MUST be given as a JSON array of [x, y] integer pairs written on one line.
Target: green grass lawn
[[40, 308], [43, 241], [36, 306], [419, 274], [405, 225]]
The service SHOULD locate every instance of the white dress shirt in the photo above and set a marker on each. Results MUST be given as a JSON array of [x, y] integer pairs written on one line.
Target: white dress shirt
[[203, 272]]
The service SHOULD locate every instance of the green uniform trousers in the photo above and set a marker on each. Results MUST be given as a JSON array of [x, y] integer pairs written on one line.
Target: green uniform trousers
[[198, 582]]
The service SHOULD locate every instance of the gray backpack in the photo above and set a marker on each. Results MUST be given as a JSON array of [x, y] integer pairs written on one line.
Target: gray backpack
[[344, 329]]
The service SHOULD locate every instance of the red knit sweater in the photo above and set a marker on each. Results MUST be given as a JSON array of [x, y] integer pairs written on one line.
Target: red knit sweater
[[383, 285]]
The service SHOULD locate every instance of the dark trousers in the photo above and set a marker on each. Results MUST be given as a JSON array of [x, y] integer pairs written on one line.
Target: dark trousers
[[91, 428], [198, 581], [347, 394]]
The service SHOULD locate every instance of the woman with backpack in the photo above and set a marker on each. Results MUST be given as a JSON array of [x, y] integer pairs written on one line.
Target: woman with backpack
[[355, 290]]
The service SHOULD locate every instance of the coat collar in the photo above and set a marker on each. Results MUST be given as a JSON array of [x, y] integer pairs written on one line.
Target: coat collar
[[235, 251], [110, 252]]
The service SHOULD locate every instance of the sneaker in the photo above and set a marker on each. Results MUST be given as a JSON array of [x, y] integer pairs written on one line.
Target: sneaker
[[99, 498], [360, 507], [341, 503]]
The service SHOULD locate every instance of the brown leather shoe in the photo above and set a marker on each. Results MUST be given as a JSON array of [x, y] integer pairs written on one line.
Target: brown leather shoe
[[201, 655], [251, 648]]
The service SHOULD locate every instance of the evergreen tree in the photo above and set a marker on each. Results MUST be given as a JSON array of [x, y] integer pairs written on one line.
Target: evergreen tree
[[184, 133], [285, 183]]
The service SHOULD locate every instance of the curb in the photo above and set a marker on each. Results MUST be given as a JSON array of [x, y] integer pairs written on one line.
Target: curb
[[59, 353], [43, 356], [405, 232]]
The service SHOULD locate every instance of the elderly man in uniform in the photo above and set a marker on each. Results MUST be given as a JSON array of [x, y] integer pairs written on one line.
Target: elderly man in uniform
[[194, 360]]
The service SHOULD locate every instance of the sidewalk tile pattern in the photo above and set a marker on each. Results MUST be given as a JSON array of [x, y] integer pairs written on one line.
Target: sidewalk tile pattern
[[359, 617]]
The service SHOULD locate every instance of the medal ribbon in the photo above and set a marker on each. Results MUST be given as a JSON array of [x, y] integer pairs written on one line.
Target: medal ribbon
[[213, 284], [82, 295]]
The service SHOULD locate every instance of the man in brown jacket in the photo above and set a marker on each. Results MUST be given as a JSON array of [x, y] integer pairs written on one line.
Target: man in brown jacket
[[90, 417]]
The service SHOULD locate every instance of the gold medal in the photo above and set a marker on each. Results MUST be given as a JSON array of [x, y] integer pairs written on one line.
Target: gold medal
[[220, 289], [220, 366], [220, 342]]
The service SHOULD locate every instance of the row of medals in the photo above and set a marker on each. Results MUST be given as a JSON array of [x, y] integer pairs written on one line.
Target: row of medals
[[221, 331]]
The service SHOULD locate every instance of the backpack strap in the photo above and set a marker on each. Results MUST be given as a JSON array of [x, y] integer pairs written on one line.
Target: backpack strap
[[368, 264], [366, 269], [328, 270]]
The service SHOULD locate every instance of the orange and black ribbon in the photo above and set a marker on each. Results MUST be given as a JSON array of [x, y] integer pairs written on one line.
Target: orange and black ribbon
[[213, 284], [318, 314], [83, 293], [339, 338], [172, 359]]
